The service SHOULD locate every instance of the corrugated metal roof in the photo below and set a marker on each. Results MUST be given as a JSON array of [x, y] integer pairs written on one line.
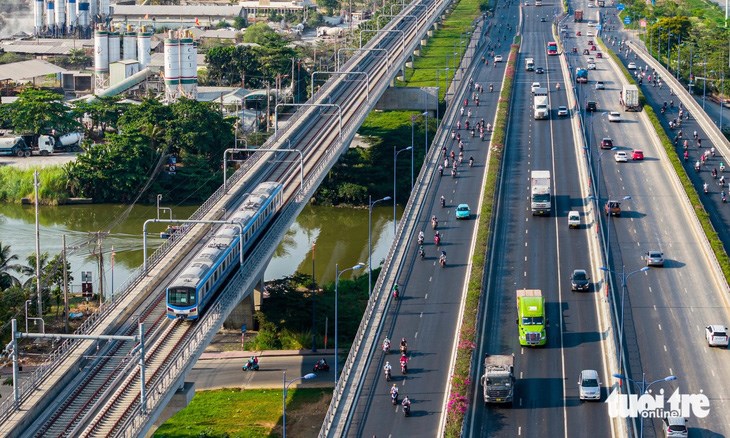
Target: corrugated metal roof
[[26, 70], [199, 11], [45, 46]]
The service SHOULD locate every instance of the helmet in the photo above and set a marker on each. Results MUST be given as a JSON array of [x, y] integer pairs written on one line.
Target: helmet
[[403, 339], [387, 363]]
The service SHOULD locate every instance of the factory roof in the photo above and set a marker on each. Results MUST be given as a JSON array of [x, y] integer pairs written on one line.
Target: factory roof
[[26, 70], [43, 46], [179, 11]]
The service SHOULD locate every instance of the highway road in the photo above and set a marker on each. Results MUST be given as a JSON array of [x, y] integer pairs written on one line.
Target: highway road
[[540, 253], [427, 315], [666, 309]]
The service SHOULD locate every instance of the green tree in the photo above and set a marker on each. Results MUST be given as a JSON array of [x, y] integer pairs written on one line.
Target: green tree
[[7, 266], [150, 119], [104, 112], [78, 57], [37, 111], [262, 34], [328, 5], [240, 23]]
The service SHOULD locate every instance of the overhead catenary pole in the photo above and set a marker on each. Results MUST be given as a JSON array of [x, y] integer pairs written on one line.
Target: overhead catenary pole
[[65, 286], [37, 248]]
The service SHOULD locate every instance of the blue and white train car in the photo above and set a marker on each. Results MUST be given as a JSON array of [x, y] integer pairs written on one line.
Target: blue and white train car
[[193, 289]]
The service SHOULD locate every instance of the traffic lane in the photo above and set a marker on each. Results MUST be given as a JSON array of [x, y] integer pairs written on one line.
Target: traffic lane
[[227, 373]]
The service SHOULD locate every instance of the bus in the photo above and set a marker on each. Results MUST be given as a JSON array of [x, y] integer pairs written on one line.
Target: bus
[[552, 48]]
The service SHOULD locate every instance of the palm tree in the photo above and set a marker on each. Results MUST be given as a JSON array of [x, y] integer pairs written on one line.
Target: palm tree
[[7, 279]]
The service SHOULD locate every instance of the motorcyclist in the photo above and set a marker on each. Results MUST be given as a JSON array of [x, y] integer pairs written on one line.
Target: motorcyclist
[[471, 161], [706, 187], [421, 252], [441, 170], [442, 258], [491, 87], [387, 369], [722, 167], [386, 344], [434, 222], [723, 196], [396, 294], [557, 86], [697, 166], [722, 181], [403, 363], [437, 238], [443, 201], [421, 236], [453, 172], [394, 393], [406, 403], [403, 346]]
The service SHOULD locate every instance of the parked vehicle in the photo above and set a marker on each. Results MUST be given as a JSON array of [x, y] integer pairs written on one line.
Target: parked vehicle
[[14, 146]]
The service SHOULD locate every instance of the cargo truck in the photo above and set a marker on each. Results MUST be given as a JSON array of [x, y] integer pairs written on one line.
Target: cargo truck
[[578, 15], [581, 75], [48, 144], [630, 96], [498, 381], [540, 197], [14, 146], [531, 319], [529, 64], [540, 107]]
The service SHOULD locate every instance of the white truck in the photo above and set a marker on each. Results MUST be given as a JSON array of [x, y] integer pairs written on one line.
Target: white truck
[[325, 31], [48, 144], [529, 64], [498, 381], [540, 196], [540, 104], [630, 96], [14, 145]]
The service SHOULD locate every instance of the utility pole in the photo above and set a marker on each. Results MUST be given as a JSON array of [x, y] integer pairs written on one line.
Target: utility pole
[[101, 267], [65, 285], [37, 248], [268, 106], [293, 99]]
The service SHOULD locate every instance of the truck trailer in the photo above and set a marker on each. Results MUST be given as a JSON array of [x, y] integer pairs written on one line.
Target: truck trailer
[[540, 106], [14, 146], [498, 381], [540, 196], [531, 319], [581, 75], [578, 15], [630, 97]]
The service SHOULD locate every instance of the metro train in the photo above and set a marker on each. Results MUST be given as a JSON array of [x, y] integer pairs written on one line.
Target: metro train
[[196, 285]]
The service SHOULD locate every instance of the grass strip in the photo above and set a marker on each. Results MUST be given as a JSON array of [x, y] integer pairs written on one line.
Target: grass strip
[[458, 401]]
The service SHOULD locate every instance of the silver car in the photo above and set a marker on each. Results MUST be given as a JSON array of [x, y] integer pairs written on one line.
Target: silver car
[[589, 385], [716, 335], [654, 258], [675, 427]]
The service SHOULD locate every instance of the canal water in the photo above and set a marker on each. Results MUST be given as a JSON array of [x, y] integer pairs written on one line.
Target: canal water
[[337, 235]]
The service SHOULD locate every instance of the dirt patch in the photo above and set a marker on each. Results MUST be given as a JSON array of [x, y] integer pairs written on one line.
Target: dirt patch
[[227, 340], [304, 420]]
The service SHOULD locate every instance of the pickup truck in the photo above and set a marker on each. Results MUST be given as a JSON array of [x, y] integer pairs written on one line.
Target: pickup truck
[[573, 219], [613, 208]]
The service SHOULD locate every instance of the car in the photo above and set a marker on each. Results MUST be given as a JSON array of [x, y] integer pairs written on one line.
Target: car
[[564, 26], [535, 86], [579, 280], [675, 427], [726, 103], [591, 24], [599, 55], [562, 111], [573, 219], [542, 19], [590, 59], [621, 157], [591, 105], [577, 33], [497, 58], [539, 70], [590, 42], [527, 3], [590, 33], [600, 85], [591, 66], [716, 335], [589, 385], [586, 52], [654, 258], [593, 48], [462, 211], [614, 116], [606, 143], [612, 208], [631, 66], [637, 155]]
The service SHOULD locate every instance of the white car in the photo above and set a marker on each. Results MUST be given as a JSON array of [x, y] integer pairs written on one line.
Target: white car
[[590, 59], [631, 66], [590, 33], [600, 85], [535, 86], [497, 58], [591, 24], [621, 157], [614, 116], [591, 66], [589, 385], [562, 111], [716, 335], [675, 427]]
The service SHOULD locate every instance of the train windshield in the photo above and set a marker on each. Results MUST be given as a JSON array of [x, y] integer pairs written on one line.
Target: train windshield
[[181, 296]]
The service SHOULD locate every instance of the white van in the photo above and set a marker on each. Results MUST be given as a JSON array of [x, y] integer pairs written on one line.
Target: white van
[[529, 64]]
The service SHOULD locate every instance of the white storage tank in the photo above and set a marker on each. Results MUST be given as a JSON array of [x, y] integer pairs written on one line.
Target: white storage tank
[[50, 15], [83, 14], [189, 66], [144, 44], [115, 48], [71, 14], [104, 8], [101, 51], [60, 13], [38, 16], [93, 9], [129, 44], [172, 65]]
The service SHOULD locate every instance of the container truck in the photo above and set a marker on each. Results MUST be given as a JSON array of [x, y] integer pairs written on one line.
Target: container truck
[[14, 146], [529, 64], [581, 75], [498, 381], [540, 107], [578, 15], [630, 96], [531, 319], [540, 197]]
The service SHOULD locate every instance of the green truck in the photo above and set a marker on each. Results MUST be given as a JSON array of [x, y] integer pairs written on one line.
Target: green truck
[[531, 319]]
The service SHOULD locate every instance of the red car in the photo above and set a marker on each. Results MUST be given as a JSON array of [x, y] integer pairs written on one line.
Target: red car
[[599, 55], [593, 48], [590, 42], [606, 143], [638, 154], [578, 33]]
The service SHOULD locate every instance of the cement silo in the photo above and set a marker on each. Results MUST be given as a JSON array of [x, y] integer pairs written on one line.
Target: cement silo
[[144, 44], [188, 67], [50, 16], [129, 44], [172, 66], [101, 58], [61, 15], [38, 16], [104, 8], [83, 14], [115, 48], [72, 13]]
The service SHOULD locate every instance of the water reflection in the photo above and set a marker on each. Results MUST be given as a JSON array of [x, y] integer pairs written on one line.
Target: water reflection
[[339, 235]]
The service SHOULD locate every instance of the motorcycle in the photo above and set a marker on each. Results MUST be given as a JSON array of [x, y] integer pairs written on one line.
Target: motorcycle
[[407, 410], [386, 347], [396, 294], [420, 239], [394, 397], [491, 88], [321, 366], [387, 375], [443, 202], [403, 350], [437, 239], [434, 223], [453, 173], [442, 261], [251, 365], [421, 253], [404, 368], [471, 162]]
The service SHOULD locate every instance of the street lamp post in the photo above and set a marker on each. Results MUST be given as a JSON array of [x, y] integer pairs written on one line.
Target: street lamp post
[[624, 278], [283, 401], [371, 204], [643, 389], [337, 283], [395, 194]]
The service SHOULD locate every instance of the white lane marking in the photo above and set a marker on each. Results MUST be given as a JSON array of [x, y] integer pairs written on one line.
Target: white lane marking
[[660, 327], [519, 428], [665, 349], [415, 336], [426, 297], [421, 316]]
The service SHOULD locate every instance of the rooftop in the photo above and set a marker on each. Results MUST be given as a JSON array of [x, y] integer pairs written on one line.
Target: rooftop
[[27, 70]]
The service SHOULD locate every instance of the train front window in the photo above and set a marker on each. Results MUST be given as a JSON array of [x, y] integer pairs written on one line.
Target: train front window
[[181, 297]]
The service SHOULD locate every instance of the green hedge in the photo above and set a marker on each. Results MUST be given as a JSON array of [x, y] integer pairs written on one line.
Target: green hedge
[[460, 396]]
